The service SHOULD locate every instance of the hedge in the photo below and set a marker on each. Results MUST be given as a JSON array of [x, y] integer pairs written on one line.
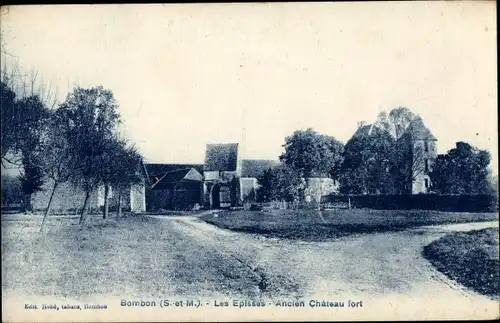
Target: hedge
[[450, 203]]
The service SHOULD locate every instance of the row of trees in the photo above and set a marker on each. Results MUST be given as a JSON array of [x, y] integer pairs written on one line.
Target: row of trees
[[76, 141], [374, 161]]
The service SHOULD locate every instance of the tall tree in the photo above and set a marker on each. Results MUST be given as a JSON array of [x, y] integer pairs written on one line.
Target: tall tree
[[29, 144], [57, 160], [91, 120], [396, 121], [9, 120], [22, 118], [130, 173], [266, 190], [279, 183], [463, 170], [121, 170], [32, 180], [367, 167], [312, 154]]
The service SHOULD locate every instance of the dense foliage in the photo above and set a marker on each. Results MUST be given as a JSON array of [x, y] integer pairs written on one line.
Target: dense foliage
[[76, 141], [463, 170]]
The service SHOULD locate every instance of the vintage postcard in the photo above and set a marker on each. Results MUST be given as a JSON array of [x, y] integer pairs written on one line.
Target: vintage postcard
[[249, 162]]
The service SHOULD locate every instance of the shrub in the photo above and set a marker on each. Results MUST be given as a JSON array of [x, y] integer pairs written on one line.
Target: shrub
[[451, 203], [255, 207]]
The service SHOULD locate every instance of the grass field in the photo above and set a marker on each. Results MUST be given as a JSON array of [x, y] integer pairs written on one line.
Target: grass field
[[470, 258], [131, 255], [310, 225]]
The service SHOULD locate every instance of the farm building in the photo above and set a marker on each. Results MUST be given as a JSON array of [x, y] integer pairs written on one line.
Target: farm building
[[418, 145], [172, 186], [251, 169], [225, 179]]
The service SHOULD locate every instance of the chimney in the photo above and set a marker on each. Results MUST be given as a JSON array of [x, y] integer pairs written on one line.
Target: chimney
[[361, 124]]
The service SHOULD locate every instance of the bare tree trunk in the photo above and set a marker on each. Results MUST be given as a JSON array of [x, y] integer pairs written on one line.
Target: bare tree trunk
[[49, 205], [27, 203], [83, 214], [320, 194], [106, 201], [320, 213], [119, 202], [303, 194]]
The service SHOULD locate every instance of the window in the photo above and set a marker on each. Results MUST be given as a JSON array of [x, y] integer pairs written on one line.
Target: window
[[426, 183], [426, 146], [426, 165]]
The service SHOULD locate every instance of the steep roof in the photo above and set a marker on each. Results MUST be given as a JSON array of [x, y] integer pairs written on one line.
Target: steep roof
[[367, 130], [221, 157], [174, 177], [417, 130], [256, 167], [155, 171]]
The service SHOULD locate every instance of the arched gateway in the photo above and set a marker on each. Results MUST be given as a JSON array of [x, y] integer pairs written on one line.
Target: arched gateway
[[220, 196]]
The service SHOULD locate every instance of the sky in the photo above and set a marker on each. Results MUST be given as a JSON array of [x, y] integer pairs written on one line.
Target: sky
[[186, 75]]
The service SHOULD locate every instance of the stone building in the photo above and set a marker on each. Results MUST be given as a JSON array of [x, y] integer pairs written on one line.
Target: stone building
[[173, 186], [417, 147], [222, 181], [420, 147], [225, 179], [221, 173], [251, 169]]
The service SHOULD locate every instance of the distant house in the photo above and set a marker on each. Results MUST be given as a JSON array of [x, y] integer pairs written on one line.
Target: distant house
[[225, 179], [418, 145], [230, 180], [251, 169], [178, 190], [221, 173], [173, 186]]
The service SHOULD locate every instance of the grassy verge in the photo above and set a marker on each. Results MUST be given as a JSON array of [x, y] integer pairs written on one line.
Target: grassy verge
[[128, 256], [470, 258], [309, 225]]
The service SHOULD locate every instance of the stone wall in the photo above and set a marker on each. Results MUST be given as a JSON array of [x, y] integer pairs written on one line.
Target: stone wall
[[67, 199], [319, 187], [113, 198], [137, 198], [248, 187]]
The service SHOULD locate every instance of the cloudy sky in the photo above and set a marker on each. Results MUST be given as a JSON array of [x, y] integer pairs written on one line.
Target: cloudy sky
[[187, 75]]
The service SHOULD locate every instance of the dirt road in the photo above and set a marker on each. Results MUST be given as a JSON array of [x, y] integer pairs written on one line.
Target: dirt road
[[386, 268], [163, 257]]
